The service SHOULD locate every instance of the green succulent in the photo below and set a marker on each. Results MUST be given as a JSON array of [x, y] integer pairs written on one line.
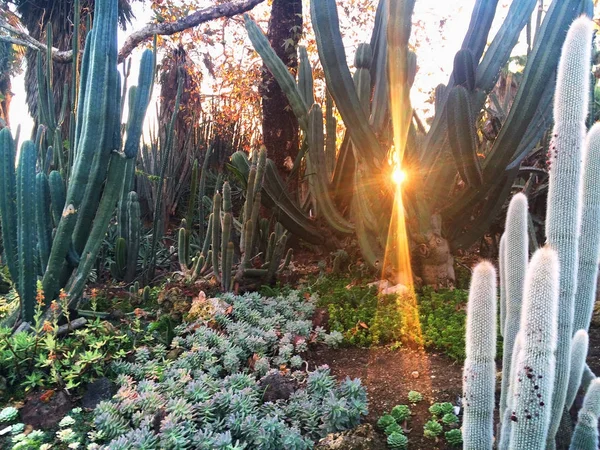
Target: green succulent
[[397, 440], [454, 437], [441, 409], [393, 428], [385, 421], [401, 413], [8, 414], [450, 419], [414, 397], [432, 429]]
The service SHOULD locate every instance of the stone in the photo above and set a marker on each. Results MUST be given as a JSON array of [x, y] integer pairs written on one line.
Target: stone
[[414, 374], [45, 411], [97, 391], [362, 437], [278, 387]]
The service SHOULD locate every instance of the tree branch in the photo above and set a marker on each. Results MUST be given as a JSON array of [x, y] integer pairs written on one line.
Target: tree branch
[[229, 9]]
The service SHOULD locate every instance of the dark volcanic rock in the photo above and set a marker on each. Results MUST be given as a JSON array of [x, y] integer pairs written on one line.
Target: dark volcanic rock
[[278, 387], [99, 390], [45, 410]]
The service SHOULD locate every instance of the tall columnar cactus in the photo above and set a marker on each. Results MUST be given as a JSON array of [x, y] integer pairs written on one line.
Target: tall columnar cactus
[[516, 254], [585, 436], [563, 217], [81, 217], [479, 375], [502, 273], [533, 377], [589, 247], [362, 156]]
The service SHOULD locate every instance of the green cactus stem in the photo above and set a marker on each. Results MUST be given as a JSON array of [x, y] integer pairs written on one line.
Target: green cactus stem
[[8, 202], [579, 351]]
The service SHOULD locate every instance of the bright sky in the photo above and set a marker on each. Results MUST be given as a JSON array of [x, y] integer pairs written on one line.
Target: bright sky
[[436, 45]]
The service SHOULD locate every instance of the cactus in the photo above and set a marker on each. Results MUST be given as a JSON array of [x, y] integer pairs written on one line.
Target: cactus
[[579, 351], [536, 362], [480, 369], [585, 436], [362, 156], [80, 217], [547, 363], [563, 214], [516, 253]]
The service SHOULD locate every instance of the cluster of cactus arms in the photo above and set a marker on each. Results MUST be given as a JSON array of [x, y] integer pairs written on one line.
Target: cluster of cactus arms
[[216, 258], [451, 172], [53, 229], [545, 301]]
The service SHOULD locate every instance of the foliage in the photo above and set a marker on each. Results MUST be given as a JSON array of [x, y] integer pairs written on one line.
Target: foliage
[[212, 392], [385, 421], [8, 414], [450, 419], [42, 358], [366, 319]]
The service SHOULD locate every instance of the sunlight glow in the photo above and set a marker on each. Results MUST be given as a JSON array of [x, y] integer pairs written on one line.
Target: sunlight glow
[[398, 175]]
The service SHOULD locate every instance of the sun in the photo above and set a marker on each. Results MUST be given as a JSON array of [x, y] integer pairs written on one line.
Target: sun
[[398, 175]]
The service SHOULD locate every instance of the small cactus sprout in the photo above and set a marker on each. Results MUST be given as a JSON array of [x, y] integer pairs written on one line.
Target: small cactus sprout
[[454, 437], [393, 428], [450, 419], [401, 413], [397, 441], [8, 414], [414, 397], [585, 436], [385, 421], [432, 429]]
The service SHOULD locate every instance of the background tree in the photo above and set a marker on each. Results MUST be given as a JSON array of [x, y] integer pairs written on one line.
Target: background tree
[[279, 124]]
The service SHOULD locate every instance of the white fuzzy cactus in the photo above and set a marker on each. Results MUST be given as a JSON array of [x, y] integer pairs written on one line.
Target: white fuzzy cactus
[[579, 350], [516, 254], [479, 376], [563, 211], [585, 436], [533, 377]]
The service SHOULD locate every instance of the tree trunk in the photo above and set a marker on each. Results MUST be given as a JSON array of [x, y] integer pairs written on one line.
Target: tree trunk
[[280, 125]]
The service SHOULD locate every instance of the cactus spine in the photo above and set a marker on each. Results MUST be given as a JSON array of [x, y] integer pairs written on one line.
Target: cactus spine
[[479, 374]]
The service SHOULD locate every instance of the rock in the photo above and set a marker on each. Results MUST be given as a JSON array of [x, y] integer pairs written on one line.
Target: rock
[[398, 289], [414, 374], [99, 390], [45, 411], [362, 437], [174, 354], [278, 387]]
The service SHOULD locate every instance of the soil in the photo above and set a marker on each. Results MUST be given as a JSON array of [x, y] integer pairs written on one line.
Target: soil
[[389, 375]]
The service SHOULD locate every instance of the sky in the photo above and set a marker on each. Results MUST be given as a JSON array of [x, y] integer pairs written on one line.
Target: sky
[[438, 31]]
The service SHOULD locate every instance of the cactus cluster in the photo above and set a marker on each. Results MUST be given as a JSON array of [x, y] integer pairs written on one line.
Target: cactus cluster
[[52, 226], [449, 181], [252, 232], [545, 302]]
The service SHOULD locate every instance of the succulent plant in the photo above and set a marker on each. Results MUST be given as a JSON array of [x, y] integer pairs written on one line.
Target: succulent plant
[[454, 437], [432, 429], [398, 441], [9, 414], [385, 421], [414, 397], [400, 413]]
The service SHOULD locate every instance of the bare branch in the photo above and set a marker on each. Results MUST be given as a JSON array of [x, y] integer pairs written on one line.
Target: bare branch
[[228, 9]]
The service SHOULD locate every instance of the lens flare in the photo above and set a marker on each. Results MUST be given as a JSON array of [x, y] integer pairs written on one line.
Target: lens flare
[[398, 175]]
